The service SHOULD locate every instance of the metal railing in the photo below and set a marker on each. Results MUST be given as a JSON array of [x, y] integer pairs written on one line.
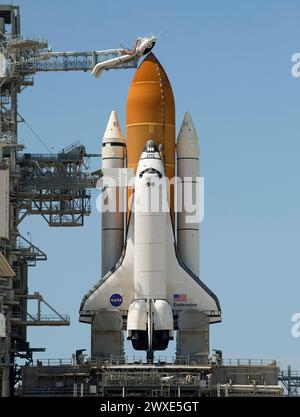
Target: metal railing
[[52, 362], [119, 360], [57, 391], [291, 374], [246, 362], [42, 317], [158, 361]]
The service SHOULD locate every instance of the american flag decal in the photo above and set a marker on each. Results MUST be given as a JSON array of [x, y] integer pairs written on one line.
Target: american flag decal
[[180, 297]]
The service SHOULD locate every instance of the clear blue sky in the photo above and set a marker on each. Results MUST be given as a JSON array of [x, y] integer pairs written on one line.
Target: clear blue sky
[[229, 64]]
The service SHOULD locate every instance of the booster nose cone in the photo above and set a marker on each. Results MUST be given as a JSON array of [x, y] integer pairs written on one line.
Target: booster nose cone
[[113, 130], [187, 142]]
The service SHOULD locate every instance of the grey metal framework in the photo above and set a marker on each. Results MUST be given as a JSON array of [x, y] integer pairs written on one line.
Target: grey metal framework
[[55, 187], [114, 377], [291, 381], [52, 186]]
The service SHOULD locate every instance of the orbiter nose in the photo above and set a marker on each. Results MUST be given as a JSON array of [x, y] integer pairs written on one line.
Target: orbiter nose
[[151, 146]]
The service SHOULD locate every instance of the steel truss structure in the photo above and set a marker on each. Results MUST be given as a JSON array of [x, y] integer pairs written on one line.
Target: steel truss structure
[[52, 186]]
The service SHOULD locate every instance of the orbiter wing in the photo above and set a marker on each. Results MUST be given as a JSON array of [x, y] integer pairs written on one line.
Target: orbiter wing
[[184, 290]]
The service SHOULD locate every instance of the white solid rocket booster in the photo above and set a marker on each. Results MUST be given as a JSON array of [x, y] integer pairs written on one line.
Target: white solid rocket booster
[[113, 154], [187, 171]]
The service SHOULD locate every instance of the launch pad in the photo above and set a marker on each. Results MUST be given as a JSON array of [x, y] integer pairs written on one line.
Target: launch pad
[[113, 377]]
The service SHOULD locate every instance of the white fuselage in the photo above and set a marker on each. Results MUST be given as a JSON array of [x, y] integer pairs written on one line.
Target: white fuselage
[[150, 229]]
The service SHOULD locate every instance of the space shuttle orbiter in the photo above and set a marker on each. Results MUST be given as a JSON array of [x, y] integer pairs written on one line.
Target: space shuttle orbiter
[[150, 285]]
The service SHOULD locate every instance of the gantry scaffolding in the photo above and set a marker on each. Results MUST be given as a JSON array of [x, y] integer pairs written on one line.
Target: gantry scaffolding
[[291, 381], [53, 186]]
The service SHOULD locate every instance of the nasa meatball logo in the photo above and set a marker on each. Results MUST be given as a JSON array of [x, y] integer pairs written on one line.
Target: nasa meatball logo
[[116, 300]]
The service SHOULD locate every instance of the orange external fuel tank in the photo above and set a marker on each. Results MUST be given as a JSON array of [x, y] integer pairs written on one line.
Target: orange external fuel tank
[[150, 114]]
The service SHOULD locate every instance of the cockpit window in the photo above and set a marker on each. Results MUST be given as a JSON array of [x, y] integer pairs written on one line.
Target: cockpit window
[[150, 171]]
